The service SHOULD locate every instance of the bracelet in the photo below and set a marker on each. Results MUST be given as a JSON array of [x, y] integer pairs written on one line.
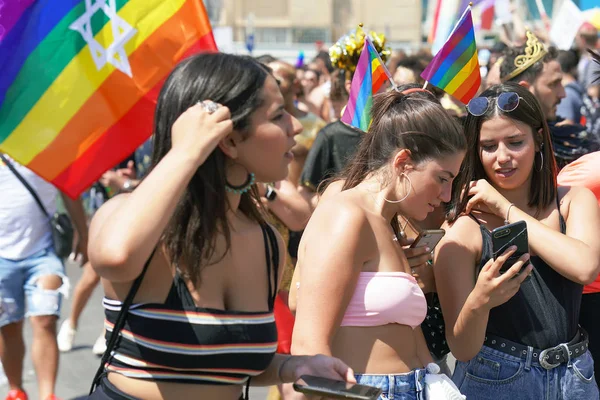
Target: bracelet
[[281, 368], [506, 222]]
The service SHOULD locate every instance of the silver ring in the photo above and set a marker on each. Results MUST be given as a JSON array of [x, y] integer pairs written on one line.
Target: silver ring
[[210, 106], [412, 271]]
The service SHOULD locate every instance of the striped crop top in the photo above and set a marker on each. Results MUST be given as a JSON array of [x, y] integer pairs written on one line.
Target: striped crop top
[[179, 342]]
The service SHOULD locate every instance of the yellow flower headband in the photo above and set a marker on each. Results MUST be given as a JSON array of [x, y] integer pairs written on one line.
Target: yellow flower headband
[[346, 51]]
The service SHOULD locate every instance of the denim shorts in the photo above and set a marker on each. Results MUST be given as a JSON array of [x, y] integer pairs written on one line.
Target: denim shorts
[[494, 375], [407, 386], [19, 287]]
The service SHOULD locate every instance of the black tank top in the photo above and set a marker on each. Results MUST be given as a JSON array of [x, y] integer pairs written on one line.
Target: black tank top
[[545, 310], [176, 341]]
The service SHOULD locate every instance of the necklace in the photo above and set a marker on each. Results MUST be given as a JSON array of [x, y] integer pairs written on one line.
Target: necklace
[[402, 229]]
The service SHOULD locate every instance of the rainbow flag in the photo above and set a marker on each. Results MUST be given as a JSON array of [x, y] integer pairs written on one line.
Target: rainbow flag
[[369, 76], [455, 68], [79, 79]]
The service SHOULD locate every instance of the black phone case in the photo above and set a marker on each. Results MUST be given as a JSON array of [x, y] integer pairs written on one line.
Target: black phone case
[[337, 395], [325, 387], [510, 235]]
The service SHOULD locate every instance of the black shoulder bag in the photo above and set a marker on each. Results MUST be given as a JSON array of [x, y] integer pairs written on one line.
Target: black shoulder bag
[[119, 323], [60, 223]]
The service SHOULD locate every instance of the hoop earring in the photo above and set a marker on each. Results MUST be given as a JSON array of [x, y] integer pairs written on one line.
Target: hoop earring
[[542, 162], [243, 188], [406, 195]]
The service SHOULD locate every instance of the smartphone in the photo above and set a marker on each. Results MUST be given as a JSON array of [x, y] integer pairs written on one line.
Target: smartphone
[[510, 235], [314, 385], [428, 238]]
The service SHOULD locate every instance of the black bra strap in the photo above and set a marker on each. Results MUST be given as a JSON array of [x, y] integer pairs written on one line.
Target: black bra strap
[[475, 219], [563, 224], [272, 259], [268, 261], [120, 322], [275, 262]]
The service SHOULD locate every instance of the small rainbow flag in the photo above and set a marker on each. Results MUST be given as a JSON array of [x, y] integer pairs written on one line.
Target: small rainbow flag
[[369, 76], [455, 68], [79, 79]]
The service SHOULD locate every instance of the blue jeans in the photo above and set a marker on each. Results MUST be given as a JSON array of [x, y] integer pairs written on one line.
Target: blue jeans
[[19, 287], [494, 375], [407, 386]]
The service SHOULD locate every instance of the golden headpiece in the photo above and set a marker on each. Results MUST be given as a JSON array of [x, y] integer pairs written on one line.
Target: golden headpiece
[[534, 51], [346, 51]]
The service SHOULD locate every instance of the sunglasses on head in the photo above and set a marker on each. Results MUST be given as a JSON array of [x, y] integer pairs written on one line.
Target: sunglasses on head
[[506, 102]]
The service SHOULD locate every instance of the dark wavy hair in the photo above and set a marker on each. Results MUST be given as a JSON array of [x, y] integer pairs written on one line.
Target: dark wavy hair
[[532, 72], [543, 189], [416, 122], [200, 215]]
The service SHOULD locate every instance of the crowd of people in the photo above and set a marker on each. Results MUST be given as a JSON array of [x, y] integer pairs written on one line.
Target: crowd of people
[[256, 237]]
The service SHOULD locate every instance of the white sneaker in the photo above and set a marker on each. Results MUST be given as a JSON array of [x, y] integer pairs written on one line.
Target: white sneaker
[[3, 378], [66, 336], [100, 345]]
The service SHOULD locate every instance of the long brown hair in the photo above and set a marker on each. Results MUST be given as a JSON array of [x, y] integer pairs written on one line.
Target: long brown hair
[[200, 215], [543, 188], [403, 119]]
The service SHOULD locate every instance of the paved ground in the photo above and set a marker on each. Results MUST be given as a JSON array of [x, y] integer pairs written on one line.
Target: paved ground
[[78, 367]]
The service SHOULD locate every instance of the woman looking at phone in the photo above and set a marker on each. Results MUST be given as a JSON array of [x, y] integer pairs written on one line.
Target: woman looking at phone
[[357, 299], [193, 243], [515, 335]]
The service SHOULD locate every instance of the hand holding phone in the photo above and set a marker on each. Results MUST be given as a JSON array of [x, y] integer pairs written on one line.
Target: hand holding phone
[[492, 288], [514, 234], [501, 277], [314, 385], [428, 238]]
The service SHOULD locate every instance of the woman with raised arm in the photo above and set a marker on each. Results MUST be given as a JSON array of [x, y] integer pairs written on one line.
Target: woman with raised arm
[[189, 267], [356, 296], [515, 335]]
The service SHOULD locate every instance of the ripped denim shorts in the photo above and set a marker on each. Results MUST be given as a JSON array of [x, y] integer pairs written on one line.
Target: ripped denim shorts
[[20, 293], [408, 386]]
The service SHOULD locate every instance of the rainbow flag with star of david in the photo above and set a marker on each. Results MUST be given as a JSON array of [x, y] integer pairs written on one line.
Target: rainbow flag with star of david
[[79, 79]]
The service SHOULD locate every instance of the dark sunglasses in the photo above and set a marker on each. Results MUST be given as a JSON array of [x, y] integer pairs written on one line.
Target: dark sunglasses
[[506, 102]]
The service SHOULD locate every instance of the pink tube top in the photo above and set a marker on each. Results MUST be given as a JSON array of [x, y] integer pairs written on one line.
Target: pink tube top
[[382, 298]]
